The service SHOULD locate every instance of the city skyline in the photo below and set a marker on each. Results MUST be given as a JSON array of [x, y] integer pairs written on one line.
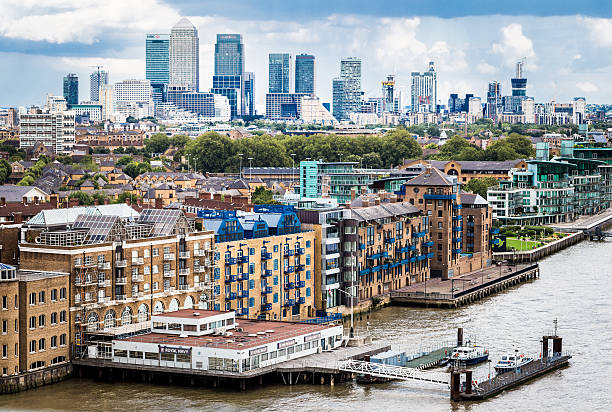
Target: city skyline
[[469, 51]]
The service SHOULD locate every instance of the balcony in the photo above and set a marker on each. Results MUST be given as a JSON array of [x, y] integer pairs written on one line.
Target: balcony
[[137, 261], [431, 196], [120, 297], [457, 207], [266, 255], [104, 265], [428, 244], [457, 239], [230, 261], [184, 255], [242, 259], [301, 300], [362, 246], [121, 263], [288, 252], [230, 296], [199, 269], [266, 273], [103, 299], [390, 240], [169, 273], [457, 228], [494, 231], [266, 290], [457, 218], [289, 269], [169, 256], [199, 252], [430, 255], [103, 283], [183, 287], [243, 312], [457, 251], [266, 307], [289, 286], [300, 284], [184, 271], [299, 251], [137, 278], [230, 278], [289, 303], [209, 263], [300, 268], [378, 255], [419, 234], [364, 272], [243, 294], [120, 281], [243, 276]]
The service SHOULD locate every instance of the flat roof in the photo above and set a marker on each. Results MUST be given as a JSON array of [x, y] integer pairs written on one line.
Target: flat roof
[[275, 331], [192, 313], [30, 275]]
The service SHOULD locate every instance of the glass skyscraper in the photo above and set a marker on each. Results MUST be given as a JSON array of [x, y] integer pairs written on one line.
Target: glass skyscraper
[[96, 80], [184, 55], [158, 64], [229, 55], [347, 89], [305, 74], [71, 89], [231, 87], [279, 68], [424, 91], [248, 91]]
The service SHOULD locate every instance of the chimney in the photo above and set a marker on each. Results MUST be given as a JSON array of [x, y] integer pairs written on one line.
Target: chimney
[[53, 200], [353, 193], [96, 202], [365, 202], [139, 202], [159, 203], [363, 190], [36, 199], [128, 201], [217, 196], [377, 201], [106, 201], [73, 202], [17, 217]]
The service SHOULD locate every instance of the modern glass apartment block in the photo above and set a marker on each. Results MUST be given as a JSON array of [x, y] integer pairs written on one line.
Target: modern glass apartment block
[[230, 87], [347, 89], [284, 106], [309, 179], [248, 82], [158, 64], [184, 55], [96, 80], [305, 74], [279, 73], [338, 180], [229, 55], [71, 89]]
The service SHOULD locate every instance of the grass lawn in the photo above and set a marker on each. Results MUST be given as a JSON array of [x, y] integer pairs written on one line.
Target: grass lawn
[[514, 243]]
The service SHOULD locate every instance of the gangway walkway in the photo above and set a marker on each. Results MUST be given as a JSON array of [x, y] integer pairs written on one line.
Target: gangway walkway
[[393, 372]]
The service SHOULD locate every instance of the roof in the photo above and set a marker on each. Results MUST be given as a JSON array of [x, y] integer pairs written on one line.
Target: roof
[[382, 211], [183, 23], [192, 313], [473, 199], [67, 216], [12, 193], [238, 184], [430, 177], [271, 171]]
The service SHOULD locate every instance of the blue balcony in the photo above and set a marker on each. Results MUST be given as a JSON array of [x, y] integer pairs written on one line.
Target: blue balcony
[[289, 303], [431, 196], [289, 286], [419, 234], [243, 312], [243, 294], [362, 246], [230, 296], [266, 255], [375, 269], [266, 290], [428, 244], [301, 300], [457, 239], [244, 276], [390, 240], [230, 278], [458, 250], [364, 272], [243, 259], [378, 255], [457, 228], [394, 264], [289, 252], [299, 268], [299, 250], [290, 269], [421, 257], [413, 259], [266, 307], [385, 266], [430, 255], [457, 207], [405, 261], [494, 231], [300, 284], [266, 273], [230, 261], [457, 218]]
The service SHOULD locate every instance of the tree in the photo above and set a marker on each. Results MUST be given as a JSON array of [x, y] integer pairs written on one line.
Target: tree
[[5, 171], [480, 186], [179, 141], [263, 196], [64, 159], [372, 160], [212, 151], [158, 143], [27, 180], [134, 169], [124, 160], [398, 145], [83, 198], [431, 146]]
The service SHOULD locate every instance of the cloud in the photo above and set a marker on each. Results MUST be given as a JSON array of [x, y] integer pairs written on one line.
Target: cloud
[[485, 68], [515, 45], [81, 21], [600, 30], [587, 87]]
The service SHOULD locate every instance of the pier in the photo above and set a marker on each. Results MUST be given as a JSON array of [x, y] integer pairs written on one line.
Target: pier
[[465, 289]]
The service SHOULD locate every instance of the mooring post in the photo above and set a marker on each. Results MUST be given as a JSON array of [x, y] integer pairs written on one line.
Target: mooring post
[[468, 381], [331, 380], [455, 386], [459, 336]]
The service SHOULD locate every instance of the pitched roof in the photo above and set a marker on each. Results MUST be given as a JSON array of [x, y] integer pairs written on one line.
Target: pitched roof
[[12, 193], [473, 199], [430, 177], [382, 211]]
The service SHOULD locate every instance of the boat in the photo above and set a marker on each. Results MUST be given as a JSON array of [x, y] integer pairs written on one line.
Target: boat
[[469, 355], [511, 362]]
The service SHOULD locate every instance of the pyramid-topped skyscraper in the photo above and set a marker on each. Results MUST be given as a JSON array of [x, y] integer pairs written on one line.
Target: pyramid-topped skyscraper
[[184, 55]]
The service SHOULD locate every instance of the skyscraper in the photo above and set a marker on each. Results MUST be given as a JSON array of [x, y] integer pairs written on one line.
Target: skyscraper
[[96, 80], [71, 89], [229, 55], [494, 99], [158, 64], [184, 55], [424, 90], [519, 83], [305, 74], [248, 87], [347, 88], [280, 73]]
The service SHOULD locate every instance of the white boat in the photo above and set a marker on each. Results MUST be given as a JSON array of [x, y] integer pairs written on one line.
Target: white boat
[[469, 355], [511, 362]]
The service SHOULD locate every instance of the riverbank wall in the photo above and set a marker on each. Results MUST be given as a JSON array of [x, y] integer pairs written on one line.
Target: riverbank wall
[[534, 255], [34, 379]]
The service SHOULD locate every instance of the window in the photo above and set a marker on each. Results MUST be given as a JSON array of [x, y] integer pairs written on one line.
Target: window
[[41, 344], [146, 253], [33, 298], [5, 302], [54, 318], [439, 225], [32, 346], [32, 322], [155, 268], [63, 316], [41, 321], [4, 351], [276, 298], [63, 293], [275, 264], [5, 326], [63, 339], [53, 341], [251, 251], [53, 295], [308, 243], [41, 297], [308, 275], [155, 251], [276, 248]]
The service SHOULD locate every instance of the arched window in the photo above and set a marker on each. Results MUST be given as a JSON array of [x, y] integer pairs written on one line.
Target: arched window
[[158, 308], [143, 313], [174, 305], [92, 322], [188, 303], [109, 319], [126, 316]]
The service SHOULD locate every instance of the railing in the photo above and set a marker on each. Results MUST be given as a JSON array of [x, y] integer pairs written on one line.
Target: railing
[[243, 294], [266, 289], [137, 278], [289, 303], [242, 259], [266, 307], [230, 296], [301, 300], [299, 251], [428, 244], [121, 263], [299, 268], [323, 319], [266, 273], [390, 240], [431, 196], [288, 252], [230, 261], [169, 256], [300, 284], [120, 297], [392, 372], [199, 269], [104, 265], [419, 234], [103, 283], [199, 252], [183, 287], [230, 278], [183, 271], [120, 281], [138, 261], [169, 273], [289, 286], [266, 255], [243, 276], [184, 255], [289, 269]]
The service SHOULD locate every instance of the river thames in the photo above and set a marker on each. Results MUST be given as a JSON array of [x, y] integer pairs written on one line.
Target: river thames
[[574, 287]]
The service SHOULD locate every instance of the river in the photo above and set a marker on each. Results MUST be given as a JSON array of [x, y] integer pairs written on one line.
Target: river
[[574, 287]]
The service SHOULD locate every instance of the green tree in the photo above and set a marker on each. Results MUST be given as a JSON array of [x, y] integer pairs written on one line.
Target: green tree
[[27, 180], [372, 160], [399, 145], [124, 160], [263, 196], [158, 143], [5, 171], [431, 146], [480, 185], [134, 169], [212, 151], [83, 198], [179, 141]]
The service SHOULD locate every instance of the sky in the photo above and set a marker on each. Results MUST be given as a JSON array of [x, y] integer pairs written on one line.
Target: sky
[[567, 45]]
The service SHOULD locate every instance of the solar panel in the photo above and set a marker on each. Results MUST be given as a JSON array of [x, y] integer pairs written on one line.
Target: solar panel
[[163, 220], [99, 227]]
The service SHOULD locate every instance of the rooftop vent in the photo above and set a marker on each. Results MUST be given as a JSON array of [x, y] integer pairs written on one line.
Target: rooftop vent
[[270, 331], [252, 335], [196, 313], [183, 335]]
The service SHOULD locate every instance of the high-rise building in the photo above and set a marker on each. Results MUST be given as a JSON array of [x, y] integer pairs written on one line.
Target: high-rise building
[[229, 55], [284, 106], [134, 98], [519, 83], [494, 99], [347, 88], [71, 88], [248, 88], [280, 76], [305, 74], [158, 64], [184, 55], [96, 80], [232, 87], [107, 100], [424, 90], [54, 130]]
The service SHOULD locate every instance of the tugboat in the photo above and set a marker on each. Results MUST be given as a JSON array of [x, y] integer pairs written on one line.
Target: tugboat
[[469, 355], [511, 362]]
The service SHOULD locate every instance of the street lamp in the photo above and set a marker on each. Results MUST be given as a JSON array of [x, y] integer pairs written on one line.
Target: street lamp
[[240, 171], [250, 168], [351, 332], [292, 166]]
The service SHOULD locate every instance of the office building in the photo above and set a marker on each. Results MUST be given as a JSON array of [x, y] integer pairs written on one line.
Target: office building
[[519, 82], [213, 107], [107, 101], [229, 55], [71, 89], [88, 110], [494, 100], [55, 104], [280, 77], [133, 97], [314, 112], [55, 130], [347, 89], [284, 106], [158, 64], [305, 77], [96, 80], [338, 180], [232, 87], [184, 55], [424, 91], [248, 93]]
